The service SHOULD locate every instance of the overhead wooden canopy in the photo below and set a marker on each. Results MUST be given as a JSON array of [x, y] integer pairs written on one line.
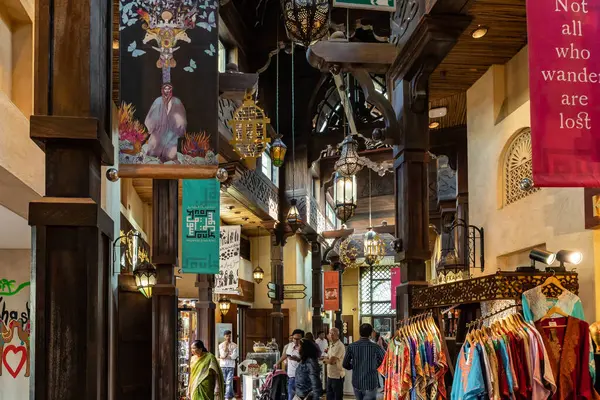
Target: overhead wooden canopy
[[471, 58], [232, 211]]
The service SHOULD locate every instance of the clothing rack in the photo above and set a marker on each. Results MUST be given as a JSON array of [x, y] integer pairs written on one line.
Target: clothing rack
[[414, 318], [483, 318]]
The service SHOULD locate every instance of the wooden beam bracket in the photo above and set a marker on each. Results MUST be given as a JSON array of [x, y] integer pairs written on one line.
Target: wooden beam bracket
[[76, 212], [48, 128], [328, 55]]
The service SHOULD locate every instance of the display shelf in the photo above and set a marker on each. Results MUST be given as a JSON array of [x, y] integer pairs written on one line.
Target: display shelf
[[499, 286]]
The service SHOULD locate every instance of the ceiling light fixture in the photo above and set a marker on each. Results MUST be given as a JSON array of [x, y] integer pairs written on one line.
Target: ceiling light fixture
[[479, 32], [438, 112], [434, 125]]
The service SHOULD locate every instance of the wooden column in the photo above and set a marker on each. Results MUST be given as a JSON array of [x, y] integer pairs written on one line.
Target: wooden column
[[431, 40], [206, 310], [165, 211], [71, 234], [339, 323], [277, 238], [317, 284]]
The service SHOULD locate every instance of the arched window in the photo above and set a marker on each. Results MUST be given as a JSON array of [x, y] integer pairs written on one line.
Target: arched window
[[517, 166]]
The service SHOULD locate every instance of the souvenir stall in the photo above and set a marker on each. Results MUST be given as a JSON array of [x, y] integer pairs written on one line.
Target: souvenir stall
[[255, 369], [535, 345], [186, 334]]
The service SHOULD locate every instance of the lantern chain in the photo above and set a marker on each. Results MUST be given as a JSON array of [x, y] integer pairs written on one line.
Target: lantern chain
[[293, 125], [277, 78]]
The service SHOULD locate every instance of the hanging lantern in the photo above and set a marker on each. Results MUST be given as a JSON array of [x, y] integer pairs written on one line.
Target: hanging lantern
[[278, 149], [306, 21], [374, 248], [349, 163], [258, 274], [293, 216], [349, 252], [344, 196], [145, 278], [249, 125], [224, 305]]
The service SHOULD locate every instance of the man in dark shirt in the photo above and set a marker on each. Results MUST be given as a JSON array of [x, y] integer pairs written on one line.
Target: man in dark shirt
[[363, 358]]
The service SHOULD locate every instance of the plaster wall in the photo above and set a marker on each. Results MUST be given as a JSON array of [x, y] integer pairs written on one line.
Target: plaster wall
[[497, 107], [350, 298]]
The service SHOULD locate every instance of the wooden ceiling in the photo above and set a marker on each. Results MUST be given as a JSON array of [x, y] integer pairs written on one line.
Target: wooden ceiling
[[471, 58], [457, 110], [232, 211]]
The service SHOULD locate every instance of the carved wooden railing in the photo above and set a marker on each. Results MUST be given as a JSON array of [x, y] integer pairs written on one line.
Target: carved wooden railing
[[499, 286], [258, 190]]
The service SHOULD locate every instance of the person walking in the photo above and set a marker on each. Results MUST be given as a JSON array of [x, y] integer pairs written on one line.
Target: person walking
[[335, 371], [205, 374], [363, 357], [228, 354], [292, 356], [308, 373], [322, 342]]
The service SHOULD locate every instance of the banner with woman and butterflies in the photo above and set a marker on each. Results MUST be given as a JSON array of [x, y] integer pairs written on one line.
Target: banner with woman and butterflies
[[168, 113]]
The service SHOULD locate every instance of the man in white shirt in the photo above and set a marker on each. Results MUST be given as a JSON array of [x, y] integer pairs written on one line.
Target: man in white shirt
[[228, 353], [335, 371], [322, 342], [292, 355]]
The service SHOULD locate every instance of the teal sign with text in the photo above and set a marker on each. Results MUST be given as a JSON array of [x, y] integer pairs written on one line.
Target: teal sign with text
[[200, 226]]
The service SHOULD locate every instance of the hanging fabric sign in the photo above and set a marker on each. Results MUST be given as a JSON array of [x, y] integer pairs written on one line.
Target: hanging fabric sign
[[168, 54], [200, 226], [226, 282], [564, 77], [395, 283], [331, 284]]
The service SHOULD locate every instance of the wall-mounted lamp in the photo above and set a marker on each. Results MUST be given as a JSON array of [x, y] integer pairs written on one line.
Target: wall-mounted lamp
[[542, 256], [569, 257], [144, 271]]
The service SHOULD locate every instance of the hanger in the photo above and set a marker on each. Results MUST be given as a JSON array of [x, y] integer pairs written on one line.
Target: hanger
[[552, 280], [551, 312]]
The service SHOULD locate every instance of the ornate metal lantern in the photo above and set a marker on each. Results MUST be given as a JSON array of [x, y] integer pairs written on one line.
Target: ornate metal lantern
[[258, 274], [344, 196], [145, 277], [224, 305], [306, 21], [374, 248], [278, 149], [349, 163], [293, 216], [249, 126], [349, 253]]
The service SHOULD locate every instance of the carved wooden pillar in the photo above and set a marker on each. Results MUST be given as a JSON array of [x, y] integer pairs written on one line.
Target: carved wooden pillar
[[165, 211], [431, 40], [277, 243], [205, 308], [338, 314], [72, 235], [317, 284]]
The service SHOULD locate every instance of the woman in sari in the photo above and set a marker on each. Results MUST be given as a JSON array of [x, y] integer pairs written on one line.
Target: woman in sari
[[205, 375]]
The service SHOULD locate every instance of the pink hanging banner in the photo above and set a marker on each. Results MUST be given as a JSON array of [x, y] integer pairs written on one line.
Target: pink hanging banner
[[395, 282], [564, 84]]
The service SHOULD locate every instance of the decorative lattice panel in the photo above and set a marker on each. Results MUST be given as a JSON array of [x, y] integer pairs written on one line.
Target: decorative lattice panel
[[518, 166], [375, 290], [499, 286]]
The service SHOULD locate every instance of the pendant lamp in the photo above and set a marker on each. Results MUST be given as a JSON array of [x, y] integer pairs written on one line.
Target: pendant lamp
[[306, 21], [249, 125], [344, 196]]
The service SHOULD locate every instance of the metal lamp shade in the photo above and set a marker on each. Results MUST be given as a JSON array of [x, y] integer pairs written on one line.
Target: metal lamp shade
[[293, 216], [349, 162], [145, 278], [374, 248], [344, 195], [258, 274], [224, 305], [249, 125], [306, 21], [278, 150]]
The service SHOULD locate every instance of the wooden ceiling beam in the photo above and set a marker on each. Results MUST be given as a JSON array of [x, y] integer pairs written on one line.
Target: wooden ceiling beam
[[373, 57]]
